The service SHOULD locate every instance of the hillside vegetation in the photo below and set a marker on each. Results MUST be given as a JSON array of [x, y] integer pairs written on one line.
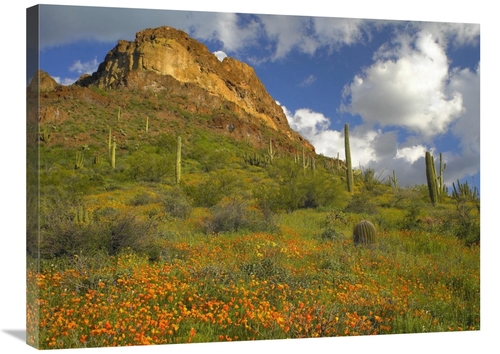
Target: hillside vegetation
[[239, 240]]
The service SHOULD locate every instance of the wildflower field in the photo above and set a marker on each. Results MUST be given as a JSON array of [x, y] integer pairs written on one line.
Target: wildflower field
[[180, 234], [253, 286]]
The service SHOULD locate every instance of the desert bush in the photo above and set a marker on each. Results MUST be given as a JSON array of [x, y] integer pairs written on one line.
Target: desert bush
[[64, 233], [370, 179], [143, 198], [176, 203], [466, 217], [150, 165], [298, 189], [211, 191], [233, 214], [127, 230], [361, 203], [331, 224]]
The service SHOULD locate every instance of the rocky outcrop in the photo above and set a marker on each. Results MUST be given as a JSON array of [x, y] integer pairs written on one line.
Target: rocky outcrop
[[166, 51]]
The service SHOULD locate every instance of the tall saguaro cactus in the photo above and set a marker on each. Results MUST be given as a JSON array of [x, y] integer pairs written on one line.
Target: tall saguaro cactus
[[79, 160], [305, 162], [109, 140], [394, 180], [113, 154], [270, 151], [178, 161], [442, 167], [430, 172], [349, 174]]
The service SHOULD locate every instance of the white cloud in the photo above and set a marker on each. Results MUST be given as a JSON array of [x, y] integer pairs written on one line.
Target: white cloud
[[307, 122], [64, 81], [314, 127], [340, 31], [222, 27], [308, 34], [406, 87], [456, 34], [411, 154], [308, 81], [467, 127], [80, 68], [220, 55], [87, 67]]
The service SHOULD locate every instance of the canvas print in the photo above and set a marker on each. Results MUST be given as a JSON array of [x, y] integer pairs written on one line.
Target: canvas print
[[198, 177]]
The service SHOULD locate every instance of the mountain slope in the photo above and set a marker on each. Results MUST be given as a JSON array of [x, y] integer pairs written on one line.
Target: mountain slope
[[165, 62]]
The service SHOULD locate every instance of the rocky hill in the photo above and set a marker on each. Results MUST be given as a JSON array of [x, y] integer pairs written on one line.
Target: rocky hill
[[165, 64]]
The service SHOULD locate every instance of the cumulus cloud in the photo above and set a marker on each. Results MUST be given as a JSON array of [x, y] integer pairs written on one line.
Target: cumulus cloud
[[406, 87], [220, 55], [314, 126], [308, 34], [411, 85], [87, 67], [224, 28], [411, 154], [455, 34], [467, 127]]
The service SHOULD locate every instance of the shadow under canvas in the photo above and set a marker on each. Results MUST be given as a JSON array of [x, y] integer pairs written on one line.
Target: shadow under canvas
[[17, 333]]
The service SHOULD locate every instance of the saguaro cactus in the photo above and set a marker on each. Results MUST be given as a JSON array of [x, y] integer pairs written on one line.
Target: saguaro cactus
[[364, 233], [394, 179], [442, 167], [79, 160], [305, 162], [109, 140], [349, 175], [430, 172], [81, 215], [178, 161], [270, 151], [113, 154], [97, 159]]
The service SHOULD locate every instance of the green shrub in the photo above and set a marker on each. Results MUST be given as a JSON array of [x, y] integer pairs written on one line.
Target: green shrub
[[210, 192], [298, 189], [466, 218], [331, 234], [63, 233], [232, 215], [176, 204], [361, 203], [150, 165], [143, 198]]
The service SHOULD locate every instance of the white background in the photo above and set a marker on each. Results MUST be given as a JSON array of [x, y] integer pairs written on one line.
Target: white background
[[12, 162]]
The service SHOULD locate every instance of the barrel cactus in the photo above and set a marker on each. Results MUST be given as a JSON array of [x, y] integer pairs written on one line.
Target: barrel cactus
[[364, 233]]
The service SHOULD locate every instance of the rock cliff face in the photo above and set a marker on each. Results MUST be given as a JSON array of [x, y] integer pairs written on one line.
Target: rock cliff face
[[157, 55]]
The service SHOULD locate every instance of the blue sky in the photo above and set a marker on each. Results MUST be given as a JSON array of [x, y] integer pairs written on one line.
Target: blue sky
[[403, 87]]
